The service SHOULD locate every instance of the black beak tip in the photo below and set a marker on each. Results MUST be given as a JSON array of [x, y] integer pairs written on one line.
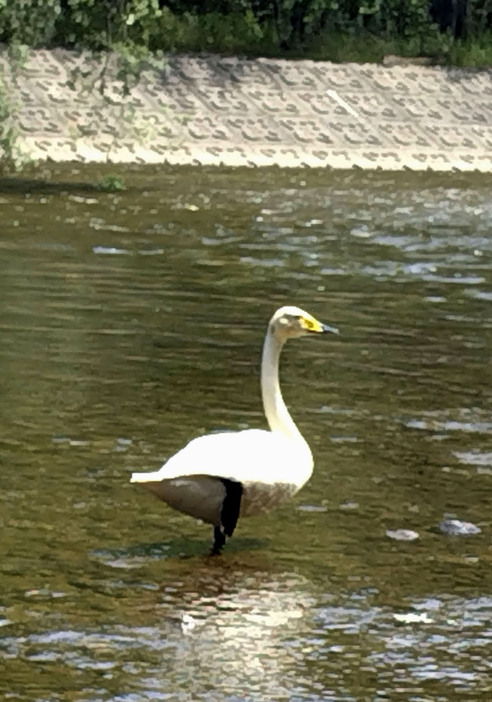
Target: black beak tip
[[329, 330]]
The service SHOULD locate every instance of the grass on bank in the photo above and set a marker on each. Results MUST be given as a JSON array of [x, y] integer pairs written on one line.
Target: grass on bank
[[241, 34]]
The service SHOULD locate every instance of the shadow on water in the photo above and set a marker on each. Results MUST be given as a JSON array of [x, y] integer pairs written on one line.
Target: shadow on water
[[175, 548], [24, 186], [80, 178]]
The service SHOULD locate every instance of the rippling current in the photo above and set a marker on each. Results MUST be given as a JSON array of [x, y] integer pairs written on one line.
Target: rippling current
[[131, 322]]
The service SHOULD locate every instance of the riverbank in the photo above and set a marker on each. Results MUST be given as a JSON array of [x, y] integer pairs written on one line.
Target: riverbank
[[213, 110]]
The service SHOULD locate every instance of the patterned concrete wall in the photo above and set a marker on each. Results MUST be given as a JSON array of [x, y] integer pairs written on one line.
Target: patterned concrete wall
[[233, 111]]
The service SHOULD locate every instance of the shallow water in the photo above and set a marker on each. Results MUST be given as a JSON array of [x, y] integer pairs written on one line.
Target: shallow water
[[131, 322]]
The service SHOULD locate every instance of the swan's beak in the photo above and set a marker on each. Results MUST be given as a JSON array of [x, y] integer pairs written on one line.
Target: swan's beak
[[310, 324], [325, 329]]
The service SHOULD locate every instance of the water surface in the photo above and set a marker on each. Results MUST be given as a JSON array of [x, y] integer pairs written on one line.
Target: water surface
[[131, 322]]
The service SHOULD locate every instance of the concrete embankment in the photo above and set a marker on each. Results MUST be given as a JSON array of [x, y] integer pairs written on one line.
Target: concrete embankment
[[219, 110]]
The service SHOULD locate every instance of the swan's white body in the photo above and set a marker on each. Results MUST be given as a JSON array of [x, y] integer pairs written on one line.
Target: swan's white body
[[267, 466]]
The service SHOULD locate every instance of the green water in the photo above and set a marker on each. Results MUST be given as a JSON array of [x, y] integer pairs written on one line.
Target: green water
[[132, 322]]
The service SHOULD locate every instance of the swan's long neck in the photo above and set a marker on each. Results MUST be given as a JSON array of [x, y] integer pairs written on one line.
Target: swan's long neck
[[276, 411]]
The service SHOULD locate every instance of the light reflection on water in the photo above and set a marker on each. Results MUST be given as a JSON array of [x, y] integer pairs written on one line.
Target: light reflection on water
[[132, 322]]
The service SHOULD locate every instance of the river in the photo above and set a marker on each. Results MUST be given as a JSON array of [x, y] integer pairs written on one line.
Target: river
[[133, 321]]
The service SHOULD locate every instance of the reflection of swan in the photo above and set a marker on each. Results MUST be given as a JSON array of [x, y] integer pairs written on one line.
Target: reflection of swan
[[249, 635], [225, 633], [219, 477]]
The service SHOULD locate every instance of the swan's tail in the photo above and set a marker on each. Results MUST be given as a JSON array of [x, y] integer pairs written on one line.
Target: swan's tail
[[145, 477]]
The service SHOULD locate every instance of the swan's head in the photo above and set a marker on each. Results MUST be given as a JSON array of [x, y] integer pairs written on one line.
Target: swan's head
[[290, 322]]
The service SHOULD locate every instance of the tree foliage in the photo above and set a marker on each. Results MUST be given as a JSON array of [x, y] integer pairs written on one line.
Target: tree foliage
[[254, 26]]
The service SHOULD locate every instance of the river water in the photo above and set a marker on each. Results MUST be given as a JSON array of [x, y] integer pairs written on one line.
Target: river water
[[131, 322]]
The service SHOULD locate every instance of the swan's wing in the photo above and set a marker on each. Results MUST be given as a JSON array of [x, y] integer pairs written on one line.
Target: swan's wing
[[251, 456]]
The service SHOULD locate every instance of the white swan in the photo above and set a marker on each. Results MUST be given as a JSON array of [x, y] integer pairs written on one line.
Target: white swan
[[219, 477]]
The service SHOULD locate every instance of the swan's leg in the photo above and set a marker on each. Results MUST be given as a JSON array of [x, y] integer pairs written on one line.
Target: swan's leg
[[231, 505], [219, 541], [229, 514]]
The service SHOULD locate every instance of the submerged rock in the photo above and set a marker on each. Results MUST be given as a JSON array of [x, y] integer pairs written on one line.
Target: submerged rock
[[402, 534], [455, 527]]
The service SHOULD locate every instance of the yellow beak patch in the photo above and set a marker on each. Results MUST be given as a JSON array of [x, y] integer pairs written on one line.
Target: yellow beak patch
[[311, 324]]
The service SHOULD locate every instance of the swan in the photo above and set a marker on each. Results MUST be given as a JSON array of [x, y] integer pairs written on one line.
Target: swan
[[220, 477]]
